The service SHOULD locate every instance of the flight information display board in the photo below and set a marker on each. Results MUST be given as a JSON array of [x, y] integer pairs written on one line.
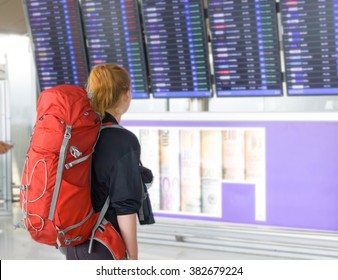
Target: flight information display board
[[59, 45], [113, 35], [245, 46], [176, 48], [311, 46]]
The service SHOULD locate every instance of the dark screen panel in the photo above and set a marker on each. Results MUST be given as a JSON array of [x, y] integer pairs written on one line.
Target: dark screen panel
[[311, 46], [113, 34], [176, 48], [59, 49], [245, 46]]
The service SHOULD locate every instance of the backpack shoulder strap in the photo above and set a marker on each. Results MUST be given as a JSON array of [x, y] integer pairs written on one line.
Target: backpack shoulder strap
[[98, 222], [111, 125], [106, 204]]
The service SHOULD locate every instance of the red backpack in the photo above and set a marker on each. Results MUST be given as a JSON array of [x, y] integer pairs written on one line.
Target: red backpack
[[55, 192]]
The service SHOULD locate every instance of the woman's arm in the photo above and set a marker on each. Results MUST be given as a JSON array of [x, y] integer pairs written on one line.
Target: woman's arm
[[127, 224]]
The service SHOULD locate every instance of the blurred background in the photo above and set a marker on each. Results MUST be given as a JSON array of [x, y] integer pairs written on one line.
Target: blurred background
[[279, 201]]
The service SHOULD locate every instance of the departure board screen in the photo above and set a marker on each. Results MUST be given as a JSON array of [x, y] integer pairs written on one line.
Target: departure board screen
[[176, 48], [311, 46], [59, 45], [113, 35], [245, 46]]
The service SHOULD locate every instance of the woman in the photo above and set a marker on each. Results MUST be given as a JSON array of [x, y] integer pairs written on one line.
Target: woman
[[115, 163]]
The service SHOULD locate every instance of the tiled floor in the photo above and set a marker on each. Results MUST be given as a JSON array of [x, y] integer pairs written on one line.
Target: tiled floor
[[16, 244]]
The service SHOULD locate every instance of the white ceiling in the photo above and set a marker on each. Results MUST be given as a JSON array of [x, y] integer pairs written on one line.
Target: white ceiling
[[12, 19]]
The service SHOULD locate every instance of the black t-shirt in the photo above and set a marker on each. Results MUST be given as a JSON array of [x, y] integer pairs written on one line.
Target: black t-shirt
[[115, 170]]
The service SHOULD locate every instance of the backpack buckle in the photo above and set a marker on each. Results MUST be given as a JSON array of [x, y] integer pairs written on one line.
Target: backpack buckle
[[23, 187], [68, 241], [74, 151], [68, 132]]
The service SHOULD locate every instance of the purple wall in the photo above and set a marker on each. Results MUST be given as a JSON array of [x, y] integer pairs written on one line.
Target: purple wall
[[301, 175], [302, 169]]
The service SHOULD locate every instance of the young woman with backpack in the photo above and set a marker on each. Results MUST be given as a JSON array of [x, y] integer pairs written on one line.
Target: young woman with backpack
[[115, 163]]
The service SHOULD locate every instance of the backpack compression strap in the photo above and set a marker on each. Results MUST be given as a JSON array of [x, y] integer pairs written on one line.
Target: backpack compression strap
[[59, 172]]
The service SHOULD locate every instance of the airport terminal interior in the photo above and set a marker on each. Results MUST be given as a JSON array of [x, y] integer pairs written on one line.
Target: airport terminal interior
[[235, 106]]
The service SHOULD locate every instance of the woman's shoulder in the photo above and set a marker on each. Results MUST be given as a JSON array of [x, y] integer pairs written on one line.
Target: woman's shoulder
[[120, 135]]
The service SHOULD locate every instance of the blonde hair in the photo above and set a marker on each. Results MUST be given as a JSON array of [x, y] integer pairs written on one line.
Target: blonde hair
[[106, 84]]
